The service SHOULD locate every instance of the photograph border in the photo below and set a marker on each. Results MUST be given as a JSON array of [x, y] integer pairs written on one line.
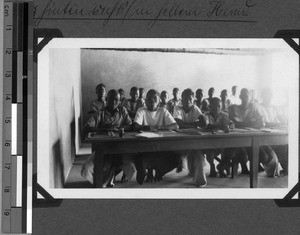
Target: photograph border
[[179, 193]]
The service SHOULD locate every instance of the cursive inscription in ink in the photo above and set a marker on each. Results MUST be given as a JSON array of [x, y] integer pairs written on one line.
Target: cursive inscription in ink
[[150, 11]]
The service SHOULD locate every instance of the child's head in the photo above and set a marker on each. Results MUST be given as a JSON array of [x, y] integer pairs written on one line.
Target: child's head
[[121, 92], [199, 94], [267, 95], [100, 91], [245, 96], [113, 99], [152, 100], [234, 90], [164, 97], [176, 93], [224, 95], [134, 93], [142, 93], [211, 92], [187, 98], [215, 106]]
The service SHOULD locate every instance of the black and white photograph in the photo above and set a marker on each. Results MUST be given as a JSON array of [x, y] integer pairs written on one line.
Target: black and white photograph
[[167, 118]]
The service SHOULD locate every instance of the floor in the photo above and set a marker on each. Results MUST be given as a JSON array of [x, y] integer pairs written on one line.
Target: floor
[[177, 180]]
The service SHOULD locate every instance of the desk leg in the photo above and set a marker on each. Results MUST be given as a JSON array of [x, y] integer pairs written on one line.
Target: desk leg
[[254, 163], [98, 168]]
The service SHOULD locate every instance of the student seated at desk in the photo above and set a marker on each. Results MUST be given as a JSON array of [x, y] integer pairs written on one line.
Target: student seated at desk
[[175, 101], [247, 115], [216, 119], [211, 92], [164, 97], [200, 102], [225, 103], [122, 96], [152, 117], [111, 118], [134, 103], [234, 97], [189, 115], [100, 102], [142, 94], [253, 96], [273, 119]]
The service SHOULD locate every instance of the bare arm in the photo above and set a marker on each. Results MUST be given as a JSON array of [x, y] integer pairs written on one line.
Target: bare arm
[[172, 126], [201, 122]]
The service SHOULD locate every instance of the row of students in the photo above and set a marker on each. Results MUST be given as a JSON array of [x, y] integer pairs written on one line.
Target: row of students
[[151, 117], [136, 99], [187, 114]]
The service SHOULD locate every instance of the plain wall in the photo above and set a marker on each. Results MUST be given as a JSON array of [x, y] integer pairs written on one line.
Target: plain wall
[[64, 103], [164, 71]]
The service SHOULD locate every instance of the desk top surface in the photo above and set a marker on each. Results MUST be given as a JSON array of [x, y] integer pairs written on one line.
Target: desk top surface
[[181, 134]]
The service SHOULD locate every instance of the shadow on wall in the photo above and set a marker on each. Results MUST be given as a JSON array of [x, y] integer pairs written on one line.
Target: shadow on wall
[[80, 129], [73, 127], [63, 149], [58, 160], [58, 164]]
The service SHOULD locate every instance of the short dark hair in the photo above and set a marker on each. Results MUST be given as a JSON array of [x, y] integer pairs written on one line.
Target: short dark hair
[[152, 92], [163, 93], [112, 92], [134, 89], [175, 89], [223, 92], [245, 90], [121, 90], [215, 100], [99, 85], [211, 89], [198, 91], [187, 92]]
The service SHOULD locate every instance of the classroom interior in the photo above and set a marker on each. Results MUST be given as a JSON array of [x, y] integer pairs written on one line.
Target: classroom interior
[[73, 74]]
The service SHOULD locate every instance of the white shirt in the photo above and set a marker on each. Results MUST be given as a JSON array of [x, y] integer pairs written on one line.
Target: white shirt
[[192, 116], [270, 113], [235, 99], [160, 117]]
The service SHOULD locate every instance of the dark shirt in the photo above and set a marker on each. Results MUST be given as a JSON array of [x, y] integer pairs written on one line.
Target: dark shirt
[[103, 118], [132, 107]]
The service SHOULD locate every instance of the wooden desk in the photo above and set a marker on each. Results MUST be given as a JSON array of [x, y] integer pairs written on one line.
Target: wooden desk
[[172, 141]]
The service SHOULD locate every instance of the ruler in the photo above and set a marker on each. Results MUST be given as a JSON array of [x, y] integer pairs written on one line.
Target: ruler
[[7, 102], [15, 175]]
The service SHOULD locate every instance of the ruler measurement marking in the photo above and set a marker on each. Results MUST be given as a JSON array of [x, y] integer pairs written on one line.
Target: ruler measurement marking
[[6, 151], [17, 72]]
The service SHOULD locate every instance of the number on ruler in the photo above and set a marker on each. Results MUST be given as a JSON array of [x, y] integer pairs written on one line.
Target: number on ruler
[[7, 120], [6, 10], [8, 27], [8, 97], [7, 166], [8, 74], [8, 51], [6, 212], [7, 189], [7, 144]]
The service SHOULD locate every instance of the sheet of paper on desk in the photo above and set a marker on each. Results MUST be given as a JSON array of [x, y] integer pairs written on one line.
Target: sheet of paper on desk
[[148, 135], [265, 129], [246, 129]]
